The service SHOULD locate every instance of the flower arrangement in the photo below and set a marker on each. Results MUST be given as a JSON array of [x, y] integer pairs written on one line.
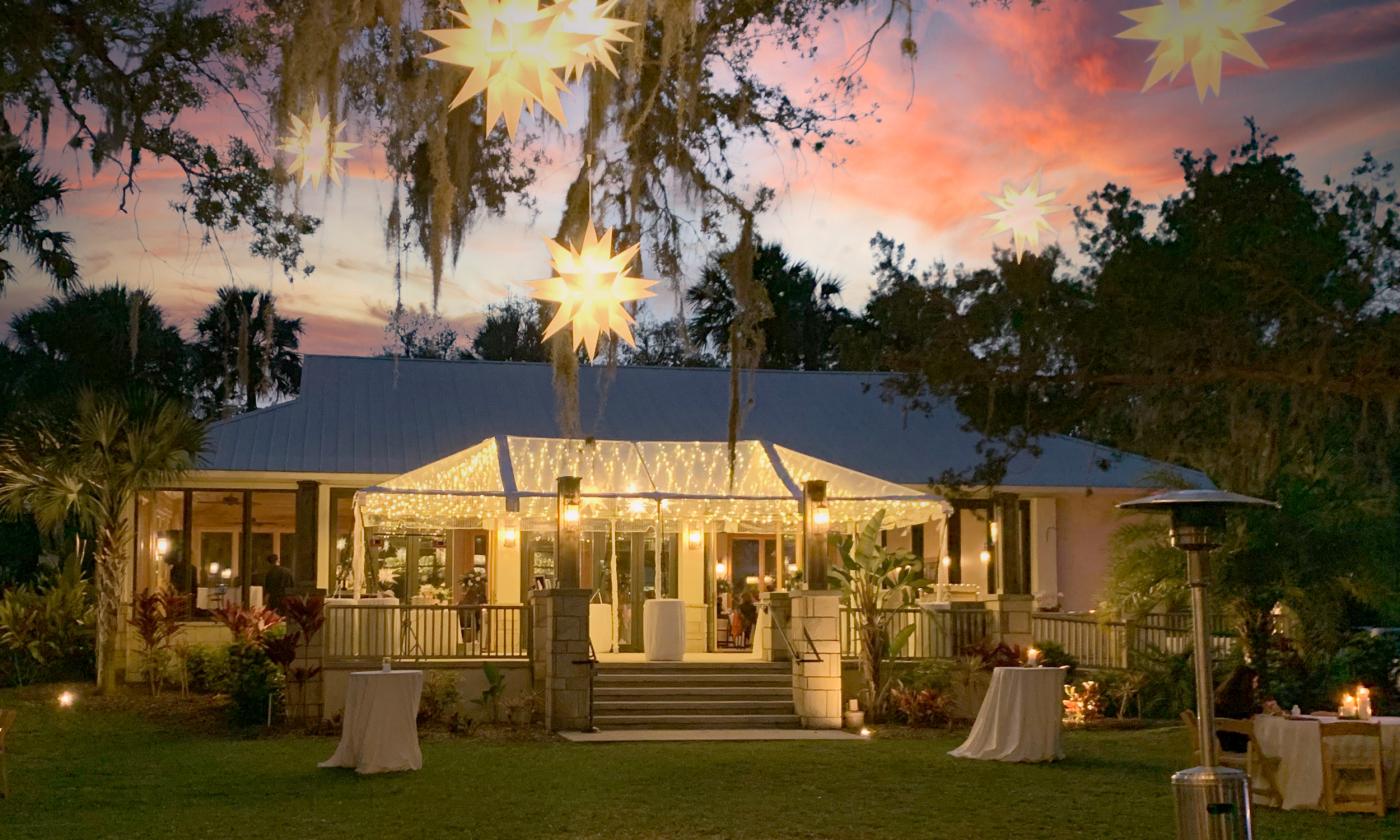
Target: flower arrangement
[[1082, 704]]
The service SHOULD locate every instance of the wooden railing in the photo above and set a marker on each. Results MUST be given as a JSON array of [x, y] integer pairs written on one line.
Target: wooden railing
[[1098, 643], [412, 633], [938, 634]]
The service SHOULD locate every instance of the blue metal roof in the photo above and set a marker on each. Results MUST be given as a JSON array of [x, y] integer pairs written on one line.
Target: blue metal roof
[[362, 415]]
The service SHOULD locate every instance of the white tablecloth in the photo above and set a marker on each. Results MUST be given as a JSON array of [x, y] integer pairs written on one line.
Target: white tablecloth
[[1298, 746], [380, 729], [207, 598], [370, 633], [1020, 718], [663, 629]]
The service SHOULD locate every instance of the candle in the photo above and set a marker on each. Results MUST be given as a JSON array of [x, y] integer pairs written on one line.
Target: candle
[[1348, 709], [1032, 656], [1363, 702]]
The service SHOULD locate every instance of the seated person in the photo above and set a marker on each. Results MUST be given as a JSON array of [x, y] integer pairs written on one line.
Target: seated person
[[1235, 698]]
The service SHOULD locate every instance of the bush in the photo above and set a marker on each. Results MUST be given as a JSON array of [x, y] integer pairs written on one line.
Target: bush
[[1054, 655], [253, 680], [440, 698], [208, 669], [922, 706], [47, 632]]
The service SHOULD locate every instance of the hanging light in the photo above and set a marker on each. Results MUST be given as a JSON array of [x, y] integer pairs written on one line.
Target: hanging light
[[1200, 33], [1023, 213], [590, 285], [316, 153]]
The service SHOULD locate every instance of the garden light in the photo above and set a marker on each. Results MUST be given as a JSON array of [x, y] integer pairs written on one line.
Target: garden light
[[821, 516], [66, 699]]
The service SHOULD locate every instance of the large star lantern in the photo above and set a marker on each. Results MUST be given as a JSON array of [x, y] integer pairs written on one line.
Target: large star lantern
[[590, 285], [1200, 33], [1023, 213], [517, 51], [316, 153]]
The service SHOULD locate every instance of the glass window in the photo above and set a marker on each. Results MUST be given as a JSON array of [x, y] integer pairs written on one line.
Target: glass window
[[537, 560], [162, 556], [272, 534], [342, 535], [217, 530]]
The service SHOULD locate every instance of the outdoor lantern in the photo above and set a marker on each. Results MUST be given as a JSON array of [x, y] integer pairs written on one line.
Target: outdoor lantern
[[162, 546], [816, 518], [821, 516], [569, 501], [1211, 802], [508, 536]]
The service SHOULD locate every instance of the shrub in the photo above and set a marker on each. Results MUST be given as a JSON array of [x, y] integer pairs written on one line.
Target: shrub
[[440, 698], [1054, 655], [208, 669], [989, 655], [48, 632], [254, 680], [156, 618], [922, 706]]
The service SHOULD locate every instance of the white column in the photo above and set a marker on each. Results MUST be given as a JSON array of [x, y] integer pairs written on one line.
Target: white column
[[507, 584], [1045, 578], [690, 587]]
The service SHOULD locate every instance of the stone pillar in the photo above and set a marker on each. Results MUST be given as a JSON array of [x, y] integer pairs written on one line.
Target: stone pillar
[[816, 685], [560, 653], [774, 617], [1012, 614]]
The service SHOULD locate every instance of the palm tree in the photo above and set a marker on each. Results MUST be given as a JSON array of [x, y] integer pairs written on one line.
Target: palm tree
[[89, 470], [243, 351], [805, 310], [27, 196]]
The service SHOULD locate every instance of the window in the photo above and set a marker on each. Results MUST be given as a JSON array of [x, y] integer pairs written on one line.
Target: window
[[342, 537]]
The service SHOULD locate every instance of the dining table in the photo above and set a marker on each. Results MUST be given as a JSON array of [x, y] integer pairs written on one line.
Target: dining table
[[1296, 743]]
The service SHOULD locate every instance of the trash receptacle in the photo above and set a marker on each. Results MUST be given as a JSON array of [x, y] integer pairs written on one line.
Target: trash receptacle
[[1212, 803]]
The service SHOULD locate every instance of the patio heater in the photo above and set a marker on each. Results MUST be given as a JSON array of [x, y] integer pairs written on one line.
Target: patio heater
[[1212, 803]]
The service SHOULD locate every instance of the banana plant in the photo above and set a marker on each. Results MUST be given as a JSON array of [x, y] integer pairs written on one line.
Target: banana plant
[[876, 582]]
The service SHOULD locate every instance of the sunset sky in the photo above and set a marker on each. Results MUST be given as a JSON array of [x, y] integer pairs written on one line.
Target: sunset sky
[[994, 95]]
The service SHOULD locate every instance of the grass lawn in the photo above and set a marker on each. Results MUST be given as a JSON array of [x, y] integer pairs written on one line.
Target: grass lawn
[[111, 769]]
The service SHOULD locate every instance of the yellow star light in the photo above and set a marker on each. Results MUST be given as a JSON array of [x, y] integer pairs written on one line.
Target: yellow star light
[[1200, 33], [316, 152], [1023, 213], [589, 18], [514, 49], [590, 285]]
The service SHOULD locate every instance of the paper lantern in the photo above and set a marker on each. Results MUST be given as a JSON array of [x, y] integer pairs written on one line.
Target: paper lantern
[[590, 285], [1200, 33], [1023, 213], [316, 153]]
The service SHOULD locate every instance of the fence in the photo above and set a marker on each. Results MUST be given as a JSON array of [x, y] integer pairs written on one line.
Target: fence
[[1120, 644], [937, 634], [426, 632]]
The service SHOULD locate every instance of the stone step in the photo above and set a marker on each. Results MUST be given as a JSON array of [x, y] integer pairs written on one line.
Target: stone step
[[702, 679], [693, 707], [667, 692], [741, 667], [702, 721]]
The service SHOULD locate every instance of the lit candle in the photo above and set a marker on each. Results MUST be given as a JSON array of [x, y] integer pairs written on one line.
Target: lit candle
[[1363, 702], [1032, 656], [1348, 709]]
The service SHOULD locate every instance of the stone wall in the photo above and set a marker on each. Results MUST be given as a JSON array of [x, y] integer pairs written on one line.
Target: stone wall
[[560, 654], [816, 685]]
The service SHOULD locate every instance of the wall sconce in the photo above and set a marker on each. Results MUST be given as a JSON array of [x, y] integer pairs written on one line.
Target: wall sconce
[[986, 556], [946, 562], [508, 536], [694, 538], [162, 546], [721, 569]]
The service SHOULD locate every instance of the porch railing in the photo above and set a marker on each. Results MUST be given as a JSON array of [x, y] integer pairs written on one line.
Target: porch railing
[[426, 632], [1097, 643], [937, 634]]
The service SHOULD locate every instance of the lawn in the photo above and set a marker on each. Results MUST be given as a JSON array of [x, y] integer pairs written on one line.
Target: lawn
[[108, 769]]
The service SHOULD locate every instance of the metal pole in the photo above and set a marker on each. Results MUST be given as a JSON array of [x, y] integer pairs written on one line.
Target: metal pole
[[1197, 573]]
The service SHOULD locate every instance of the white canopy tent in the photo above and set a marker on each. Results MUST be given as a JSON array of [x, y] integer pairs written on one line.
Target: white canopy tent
[[508, 477]]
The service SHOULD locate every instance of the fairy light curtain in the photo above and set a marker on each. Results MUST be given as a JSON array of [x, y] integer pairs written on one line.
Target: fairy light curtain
[[643, 482]]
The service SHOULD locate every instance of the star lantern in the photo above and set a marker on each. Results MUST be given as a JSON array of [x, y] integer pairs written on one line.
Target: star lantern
[[1023, 213], [1200, 33], [517, 50], [589, 18], [590, 285], [316, 151]]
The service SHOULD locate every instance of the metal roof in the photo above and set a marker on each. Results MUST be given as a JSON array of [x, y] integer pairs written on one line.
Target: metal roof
[[387, 416]]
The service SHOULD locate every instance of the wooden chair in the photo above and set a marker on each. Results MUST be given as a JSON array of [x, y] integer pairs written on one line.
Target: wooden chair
[[7, 722], [1335, 767], [1253, 763], [1259, 767]]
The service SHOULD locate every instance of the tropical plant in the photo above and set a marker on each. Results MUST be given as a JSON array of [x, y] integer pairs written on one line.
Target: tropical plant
[[875, 582], [89, 469], [440, 698], [1054, 655], [155, 616], [922, 706], [490, 700], [27, 196], [308, 614], [46, 631], [208, 668], [248, 624], [245, 351]]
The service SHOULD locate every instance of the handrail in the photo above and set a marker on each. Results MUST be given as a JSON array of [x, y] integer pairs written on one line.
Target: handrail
[[787, 642]]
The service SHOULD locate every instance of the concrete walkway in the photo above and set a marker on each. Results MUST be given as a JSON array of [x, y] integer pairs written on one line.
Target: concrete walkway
[[620, 735]]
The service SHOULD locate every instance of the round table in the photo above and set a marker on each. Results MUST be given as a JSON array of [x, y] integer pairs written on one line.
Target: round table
[[1020, 718], [1297, 744], [379, 733], [663, 629]]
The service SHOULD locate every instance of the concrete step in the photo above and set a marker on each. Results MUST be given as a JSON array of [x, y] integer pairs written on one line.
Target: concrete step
[[629, 721], [694, 692], [603, 679], [694, 667], [690, 707]]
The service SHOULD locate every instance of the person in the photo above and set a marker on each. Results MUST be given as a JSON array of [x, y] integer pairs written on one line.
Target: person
[[1235, 698], [749, 610], [276, 583], [183, 575]]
